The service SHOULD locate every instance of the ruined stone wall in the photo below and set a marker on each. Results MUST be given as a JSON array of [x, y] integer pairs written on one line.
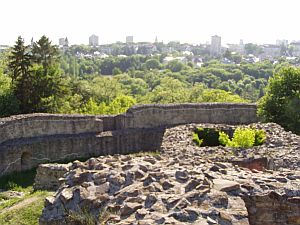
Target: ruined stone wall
[[29, 140], [109, 122], [273, 209], [143, 116], [48, 176], [35, 125], [29, 153]]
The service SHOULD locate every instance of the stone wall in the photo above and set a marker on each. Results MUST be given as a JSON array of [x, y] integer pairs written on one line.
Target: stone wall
[[273, 209], [29, 153], [29, 140], [143, 116], [48, 176], [34, 125]]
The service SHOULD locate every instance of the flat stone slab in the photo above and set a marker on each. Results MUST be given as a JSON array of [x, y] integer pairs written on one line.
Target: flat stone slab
[[225, 185]]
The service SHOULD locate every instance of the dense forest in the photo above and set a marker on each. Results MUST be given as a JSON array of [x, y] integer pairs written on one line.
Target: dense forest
[[42, 78]]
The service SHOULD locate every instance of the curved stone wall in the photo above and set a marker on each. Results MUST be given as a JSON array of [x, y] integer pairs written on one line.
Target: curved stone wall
[[35, 125], [145, 116], [28, 140]]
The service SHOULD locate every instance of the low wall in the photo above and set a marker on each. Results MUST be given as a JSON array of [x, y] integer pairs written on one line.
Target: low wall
[[48, 176], [29, 140], [143, 116], [29, 153], [34, 125]]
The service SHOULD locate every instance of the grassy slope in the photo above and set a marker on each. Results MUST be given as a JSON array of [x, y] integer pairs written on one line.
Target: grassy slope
[[16, 211]]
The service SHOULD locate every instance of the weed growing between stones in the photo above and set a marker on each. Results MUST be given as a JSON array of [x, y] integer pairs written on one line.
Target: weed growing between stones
[[85, 217]]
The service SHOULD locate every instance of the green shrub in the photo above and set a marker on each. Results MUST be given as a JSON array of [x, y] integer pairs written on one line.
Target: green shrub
[[281, 103], [260, 137], [243, 138], [223, 138], [196, 139]]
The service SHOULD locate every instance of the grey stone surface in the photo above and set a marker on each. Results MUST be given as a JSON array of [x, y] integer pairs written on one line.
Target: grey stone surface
[[38, 125], [48, 176], [186, 184], [114, 186], [29, 140]]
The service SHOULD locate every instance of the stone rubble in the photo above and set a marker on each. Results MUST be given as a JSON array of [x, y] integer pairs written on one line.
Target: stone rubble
[[281, 148], [185, 184]]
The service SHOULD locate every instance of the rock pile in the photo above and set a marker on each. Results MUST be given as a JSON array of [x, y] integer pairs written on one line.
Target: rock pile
[[183, 185], [162, 190], [281, 148]]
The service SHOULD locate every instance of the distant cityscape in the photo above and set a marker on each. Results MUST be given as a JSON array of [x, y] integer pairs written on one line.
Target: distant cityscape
[[215, 49]]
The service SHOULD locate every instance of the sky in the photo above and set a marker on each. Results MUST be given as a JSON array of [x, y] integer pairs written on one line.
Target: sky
[[191, 21]]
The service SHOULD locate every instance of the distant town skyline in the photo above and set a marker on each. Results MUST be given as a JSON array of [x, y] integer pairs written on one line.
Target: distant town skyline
[[188, 21]]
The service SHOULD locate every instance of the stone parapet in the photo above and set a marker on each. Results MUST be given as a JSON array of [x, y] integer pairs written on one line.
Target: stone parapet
[[144, 116], [37, 125]]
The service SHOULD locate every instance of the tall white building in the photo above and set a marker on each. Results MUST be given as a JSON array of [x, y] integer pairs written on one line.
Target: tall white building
[[215, 46], [94, 40], [129, 39], [241, 42]]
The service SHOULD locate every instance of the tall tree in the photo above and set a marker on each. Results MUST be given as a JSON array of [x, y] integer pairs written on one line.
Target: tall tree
[[36, 78], [45, 53], [19, 64], [48, 83]]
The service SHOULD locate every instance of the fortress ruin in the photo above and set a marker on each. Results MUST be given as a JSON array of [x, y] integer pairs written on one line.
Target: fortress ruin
[[29, 140]]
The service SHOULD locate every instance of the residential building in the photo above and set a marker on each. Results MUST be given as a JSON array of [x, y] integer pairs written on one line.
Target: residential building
[[215, 47], [168, 59], [94, 40], [295, 46], [146, 49], [238, 48], [129, 39], [270, 51], [282, 42], [63, 42]]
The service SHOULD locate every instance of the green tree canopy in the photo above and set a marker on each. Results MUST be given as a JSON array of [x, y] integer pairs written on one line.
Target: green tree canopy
[[152, 64], [19, 65], [175, 66], [44, 52], [281, 104], [36, 78]]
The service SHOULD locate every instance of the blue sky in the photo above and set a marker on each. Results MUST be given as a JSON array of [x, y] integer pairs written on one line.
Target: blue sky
[[194, 21]]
